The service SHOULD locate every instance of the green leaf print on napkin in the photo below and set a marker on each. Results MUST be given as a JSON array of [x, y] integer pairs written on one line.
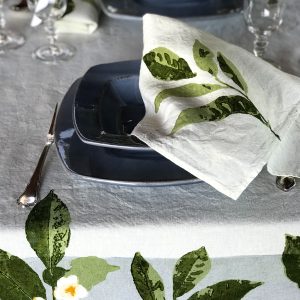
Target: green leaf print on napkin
[[166, 65], [188, 90], [90, 270], [231, 71], [217, 109], [47, 230], [147, 281], [204, 58], [291, 258], [189, 270], [17, 280], [229, 290]]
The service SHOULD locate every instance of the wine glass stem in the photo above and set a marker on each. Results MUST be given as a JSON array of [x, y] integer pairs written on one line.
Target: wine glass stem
[[51, 32], [261, 42], [2, 17]]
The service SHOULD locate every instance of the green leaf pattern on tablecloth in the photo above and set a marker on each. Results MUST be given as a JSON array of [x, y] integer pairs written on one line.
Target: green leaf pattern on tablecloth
[[18, 281], [90, 270], [51, 276], [47, 230], [189, 270], [146, 279], [48, 233], [228, 289], [291, 258]]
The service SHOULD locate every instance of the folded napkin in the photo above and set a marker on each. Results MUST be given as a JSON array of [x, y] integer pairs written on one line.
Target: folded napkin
[[215, 109], [82, 19]]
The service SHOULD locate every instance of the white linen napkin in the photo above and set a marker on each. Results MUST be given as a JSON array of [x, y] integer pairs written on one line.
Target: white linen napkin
[[215, 109], [83, 19]]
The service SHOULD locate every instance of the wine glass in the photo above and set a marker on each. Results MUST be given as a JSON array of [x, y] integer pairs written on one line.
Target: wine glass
[[8, 38], [48, 11], [262, 18]]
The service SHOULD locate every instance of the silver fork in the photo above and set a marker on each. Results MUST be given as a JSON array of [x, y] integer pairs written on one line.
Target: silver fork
[[30, 196]]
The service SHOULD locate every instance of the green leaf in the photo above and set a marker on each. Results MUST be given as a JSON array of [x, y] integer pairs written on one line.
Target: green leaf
[[147, 281], [166, 65], [204, 58], [47, 230], [217, 110], [52, 277], [188, 90], [230, 70], [291, 258], [189, 270], [17, 280], [229, 290], [90, 270]]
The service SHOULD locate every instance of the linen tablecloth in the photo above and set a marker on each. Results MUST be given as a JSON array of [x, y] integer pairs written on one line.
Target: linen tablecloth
[[162, 223]]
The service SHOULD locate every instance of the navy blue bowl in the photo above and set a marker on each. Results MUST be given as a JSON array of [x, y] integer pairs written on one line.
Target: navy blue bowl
[[108, 105], [109, 165]]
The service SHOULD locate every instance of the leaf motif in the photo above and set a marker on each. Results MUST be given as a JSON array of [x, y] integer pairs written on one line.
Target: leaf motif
[[230, 70], [291, 258], [204, 58], [147, 281], [229, 290], [217, 110], [189, 270], [17, 280], [188, 90], [90, 270], [47, 230], [166, 65], [52, 277]]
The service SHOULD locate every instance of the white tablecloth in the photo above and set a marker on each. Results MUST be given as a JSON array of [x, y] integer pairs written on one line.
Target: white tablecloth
[[116, 220]]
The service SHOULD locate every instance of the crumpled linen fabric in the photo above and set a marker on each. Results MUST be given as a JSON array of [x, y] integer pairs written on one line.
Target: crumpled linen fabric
[[229, 145]]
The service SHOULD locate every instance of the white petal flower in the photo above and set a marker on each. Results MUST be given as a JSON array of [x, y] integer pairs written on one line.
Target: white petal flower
[[38, 298], [68, 288]]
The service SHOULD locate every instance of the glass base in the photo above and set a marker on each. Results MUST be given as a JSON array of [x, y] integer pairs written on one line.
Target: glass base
[[52, 54], [10, 40]]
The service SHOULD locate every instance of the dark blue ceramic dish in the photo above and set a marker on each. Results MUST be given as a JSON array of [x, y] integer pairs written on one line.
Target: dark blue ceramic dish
[[108, 105], [172, 8], [109, 165]]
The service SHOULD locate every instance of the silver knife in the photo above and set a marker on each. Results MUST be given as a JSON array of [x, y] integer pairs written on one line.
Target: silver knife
[[30, 196]]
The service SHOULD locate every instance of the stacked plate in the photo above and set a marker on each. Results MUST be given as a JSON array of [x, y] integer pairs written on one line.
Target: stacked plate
[[93, 129], [174, 8]]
